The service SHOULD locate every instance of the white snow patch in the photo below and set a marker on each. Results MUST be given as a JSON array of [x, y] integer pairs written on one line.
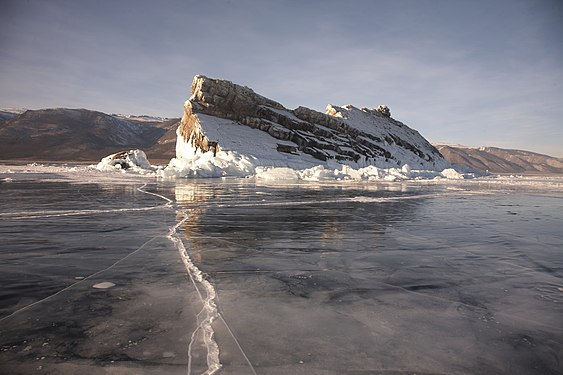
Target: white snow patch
[[196, 163], [244, 140], [14, 111], [135, 160], [387, 129], [246, 152], [277, 174], [140, 118], [103, 285], [452, 174]]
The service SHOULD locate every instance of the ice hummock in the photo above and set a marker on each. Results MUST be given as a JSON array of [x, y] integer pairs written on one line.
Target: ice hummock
[[260, 160], [135, 160], [232, 164], [194, 163]]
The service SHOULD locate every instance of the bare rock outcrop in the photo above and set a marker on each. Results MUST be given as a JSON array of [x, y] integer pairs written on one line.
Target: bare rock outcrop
[[384, 110], [344, 134]]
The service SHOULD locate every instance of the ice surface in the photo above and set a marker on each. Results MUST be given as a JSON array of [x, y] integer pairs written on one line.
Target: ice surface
[[273, 275], [336, 280]]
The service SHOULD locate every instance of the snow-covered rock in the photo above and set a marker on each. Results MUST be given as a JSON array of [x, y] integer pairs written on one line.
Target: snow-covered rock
[[384, 110], [136, 160], [229, 130], [223, 116]]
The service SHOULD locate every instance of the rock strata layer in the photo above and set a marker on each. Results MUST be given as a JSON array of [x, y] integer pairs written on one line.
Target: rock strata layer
[[346, 135]]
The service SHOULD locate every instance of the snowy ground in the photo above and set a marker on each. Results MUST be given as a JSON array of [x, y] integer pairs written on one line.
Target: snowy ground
[[116, 272]]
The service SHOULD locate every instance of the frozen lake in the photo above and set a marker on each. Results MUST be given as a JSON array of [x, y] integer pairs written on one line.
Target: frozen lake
[[100, 274]]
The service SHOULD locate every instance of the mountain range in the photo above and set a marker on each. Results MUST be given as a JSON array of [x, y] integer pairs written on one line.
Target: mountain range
[[62, 134], [499, 160]]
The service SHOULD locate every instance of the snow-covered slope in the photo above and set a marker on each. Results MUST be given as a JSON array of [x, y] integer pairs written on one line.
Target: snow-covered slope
[[229, 121], [404, 144], [140, 118], [9, 113]]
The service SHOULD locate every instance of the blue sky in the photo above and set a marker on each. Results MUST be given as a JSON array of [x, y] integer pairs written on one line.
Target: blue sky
[[469, 72]]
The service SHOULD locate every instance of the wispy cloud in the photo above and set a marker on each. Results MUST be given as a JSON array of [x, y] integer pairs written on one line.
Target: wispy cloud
[[471, 73]]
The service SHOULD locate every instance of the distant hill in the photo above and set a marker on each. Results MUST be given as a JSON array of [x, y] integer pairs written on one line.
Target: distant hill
[[8, 113], [62, 134], [499, 160], [165, 148]]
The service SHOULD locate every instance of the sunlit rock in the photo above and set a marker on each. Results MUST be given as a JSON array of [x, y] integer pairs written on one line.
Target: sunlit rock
[[223, 116]]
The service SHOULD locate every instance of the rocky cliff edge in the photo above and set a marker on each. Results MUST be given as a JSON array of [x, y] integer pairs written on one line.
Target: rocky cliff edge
[[223, 116]]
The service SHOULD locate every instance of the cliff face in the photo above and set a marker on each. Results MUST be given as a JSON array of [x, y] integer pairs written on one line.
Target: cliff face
[[223, 116]]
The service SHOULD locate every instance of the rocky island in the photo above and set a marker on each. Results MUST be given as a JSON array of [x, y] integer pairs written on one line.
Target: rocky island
[[223, 117]]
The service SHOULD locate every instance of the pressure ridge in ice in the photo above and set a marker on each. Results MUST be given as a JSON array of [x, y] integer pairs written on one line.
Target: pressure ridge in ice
[[194, 163]]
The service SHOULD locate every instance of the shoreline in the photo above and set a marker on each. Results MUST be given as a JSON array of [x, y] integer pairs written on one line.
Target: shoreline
[[163, 162]]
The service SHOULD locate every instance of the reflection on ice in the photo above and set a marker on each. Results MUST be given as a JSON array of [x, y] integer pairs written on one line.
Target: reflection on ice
[[389, 280]]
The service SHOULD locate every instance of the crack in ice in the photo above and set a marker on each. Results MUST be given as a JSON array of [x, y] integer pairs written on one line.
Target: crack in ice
[[209, 309], [168, 204], [81, 281], [61, 213]]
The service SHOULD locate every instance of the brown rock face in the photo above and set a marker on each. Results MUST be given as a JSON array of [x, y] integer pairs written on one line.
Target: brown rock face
[[222, 99], [323, 136], [384, 110]]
